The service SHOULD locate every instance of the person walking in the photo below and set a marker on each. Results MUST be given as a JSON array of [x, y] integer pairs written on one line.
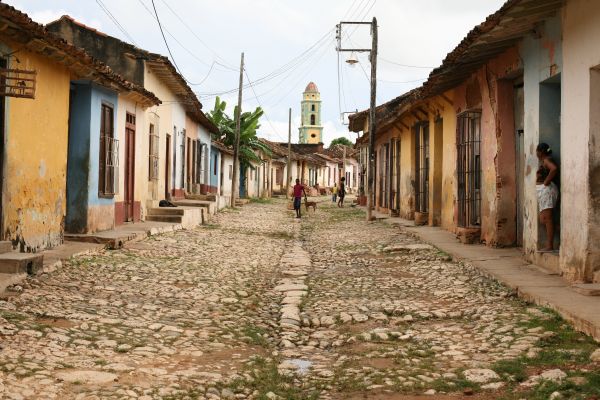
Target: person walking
[[341, 192], [547, 191], [298, 192], [334, 191]]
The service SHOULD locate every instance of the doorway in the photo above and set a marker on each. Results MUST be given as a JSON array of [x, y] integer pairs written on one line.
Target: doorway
[[129, 166], [422, 167], [519, 113], [3, 64], [168, 167], [550, 114]]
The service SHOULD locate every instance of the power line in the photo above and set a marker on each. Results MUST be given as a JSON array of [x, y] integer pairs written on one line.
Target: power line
[[411, 81], [261, 106], [405, 65], [223, 62], [165, 40], [277, 72], [115, 21]]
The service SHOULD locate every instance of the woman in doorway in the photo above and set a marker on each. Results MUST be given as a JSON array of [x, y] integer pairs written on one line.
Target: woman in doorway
[[547, 191]]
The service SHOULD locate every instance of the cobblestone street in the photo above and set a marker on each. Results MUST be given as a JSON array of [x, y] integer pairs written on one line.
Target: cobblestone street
[[258, 305]]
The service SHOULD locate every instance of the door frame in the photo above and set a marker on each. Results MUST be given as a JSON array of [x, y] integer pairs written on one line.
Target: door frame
[[167, 167], [129, 172]]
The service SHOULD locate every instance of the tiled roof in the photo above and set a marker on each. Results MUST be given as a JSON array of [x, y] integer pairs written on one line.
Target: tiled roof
[[22, 29], [500, 31]]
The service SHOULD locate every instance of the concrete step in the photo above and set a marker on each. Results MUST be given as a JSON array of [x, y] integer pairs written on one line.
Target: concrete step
[[19, 263], [205, 197], [5, 246], [165, 211], [175, 219], [588, 289]]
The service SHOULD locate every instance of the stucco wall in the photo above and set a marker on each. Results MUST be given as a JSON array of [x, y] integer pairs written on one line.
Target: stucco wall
[[142, 142], [490, 91], [449, 192], [87, 211], [580, 142], [33, 193], [542, 59], [171, 114]]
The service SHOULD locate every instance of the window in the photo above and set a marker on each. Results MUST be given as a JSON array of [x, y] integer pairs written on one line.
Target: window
[[469, 169], [422, 167], [312, 119], [312, 107], [153, 154], [230, 172], [109, 153], [215, 165]]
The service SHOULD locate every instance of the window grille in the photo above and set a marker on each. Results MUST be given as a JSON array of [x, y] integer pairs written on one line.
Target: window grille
[[153, 154], [469, 169], [109, 153], [422, 167]]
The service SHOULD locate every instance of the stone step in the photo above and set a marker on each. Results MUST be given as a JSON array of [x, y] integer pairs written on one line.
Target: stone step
[[165, 211], [5, 246], [193, 203], [587, 289], [18, 263], [175, 219], [205, 197]]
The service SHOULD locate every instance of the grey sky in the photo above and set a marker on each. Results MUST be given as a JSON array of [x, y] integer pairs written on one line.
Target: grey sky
[[274, 32]]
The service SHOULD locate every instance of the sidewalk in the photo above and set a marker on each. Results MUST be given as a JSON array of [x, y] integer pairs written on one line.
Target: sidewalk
[[531, 282], [81, 244]]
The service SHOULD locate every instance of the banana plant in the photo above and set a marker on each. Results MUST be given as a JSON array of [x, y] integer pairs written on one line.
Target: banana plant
[[250, 122]]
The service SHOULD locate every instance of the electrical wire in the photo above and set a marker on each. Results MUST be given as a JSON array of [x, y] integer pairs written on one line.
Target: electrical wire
[[114, 20], [223, 62], [404, 65], [261, 106]]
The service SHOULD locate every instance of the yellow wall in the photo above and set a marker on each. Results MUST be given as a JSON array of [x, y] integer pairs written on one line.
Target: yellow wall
[[34, 197]]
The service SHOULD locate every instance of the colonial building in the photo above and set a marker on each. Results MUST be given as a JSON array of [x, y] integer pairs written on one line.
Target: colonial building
[[459, 152]]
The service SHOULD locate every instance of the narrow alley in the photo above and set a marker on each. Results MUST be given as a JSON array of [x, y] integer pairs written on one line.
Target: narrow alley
[[257, 305]]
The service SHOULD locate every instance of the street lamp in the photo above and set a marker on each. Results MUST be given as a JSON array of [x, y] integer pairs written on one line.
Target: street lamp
[[353, 60]]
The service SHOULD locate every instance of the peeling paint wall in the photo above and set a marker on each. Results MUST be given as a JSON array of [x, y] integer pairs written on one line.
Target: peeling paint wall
[[35, 153], [580, 173], [490, 91], [541, 53], [87, 211]]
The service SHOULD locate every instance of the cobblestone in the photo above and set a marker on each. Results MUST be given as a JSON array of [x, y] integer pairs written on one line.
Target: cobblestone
[[260, 305]]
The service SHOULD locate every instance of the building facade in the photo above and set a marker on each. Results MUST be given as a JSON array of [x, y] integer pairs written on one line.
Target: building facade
[[311, 130]]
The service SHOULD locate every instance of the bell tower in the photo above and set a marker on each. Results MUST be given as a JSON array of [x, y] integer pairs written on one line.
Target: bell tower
[[310, 129]]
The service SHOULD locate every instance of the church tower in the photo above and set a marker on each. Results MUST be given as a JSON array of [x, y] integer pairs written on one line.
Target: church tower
[[310, 129]]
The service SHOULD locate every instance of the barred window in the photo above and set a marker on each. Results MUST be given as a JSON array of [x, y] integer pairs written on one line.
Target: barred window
[[109, 153], [153, 154]]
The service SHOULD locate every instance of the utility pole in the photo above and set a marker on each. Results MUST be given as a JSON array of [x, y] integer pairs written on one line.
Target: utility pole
[[353, 60], [289, 158], [236, 147], [371, 170], [344, 168]]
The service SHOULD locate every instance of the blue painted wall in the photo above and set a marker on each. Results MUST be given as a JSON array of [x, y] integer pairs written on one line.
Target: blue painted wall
[[84, 153], [214, 175]]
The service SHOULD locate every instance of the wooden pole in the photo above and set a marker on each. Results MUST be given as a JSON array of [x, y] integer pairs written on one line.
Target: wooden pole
[[371, 168], [236, 147], [289, 158]]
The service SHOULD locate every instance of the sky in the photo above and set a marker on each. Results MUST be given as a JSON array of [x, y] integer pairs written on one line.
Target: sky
[[287, 44]]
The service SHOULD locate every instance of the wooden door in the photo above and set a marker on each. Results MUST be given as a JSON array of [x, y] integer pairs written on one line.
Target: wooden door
[[129, 166], [167, 167]]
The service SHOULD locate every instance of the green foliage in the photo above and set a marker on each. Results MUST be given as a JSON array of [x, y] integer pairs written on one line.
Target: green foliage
[[341, 140], [249, 142]]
